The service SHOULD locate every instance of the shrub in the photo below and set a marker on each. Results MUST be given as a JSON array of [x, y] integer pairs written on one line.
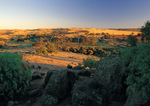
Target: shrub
[[82, 50], [146, 31], [2, 43], [93, 40], [90, 52], [37, 44], [89, 62], [65, 48], [27, 41], [84, 40], [100, 50], [14, 75], [137, 69], [51, 47], [132, 40], [42, 50], [91, 48], [72, 49]]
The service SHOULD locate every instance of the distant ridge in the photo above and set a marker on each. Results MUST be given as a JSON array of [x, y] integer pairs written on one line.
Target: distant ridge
[[126, 29]]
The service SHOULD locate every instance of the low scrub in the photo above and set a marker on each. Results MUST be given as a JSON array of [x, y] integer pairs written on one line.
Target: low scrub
[[89, 62], [14, 75], [137, 69], [42, 50], [51, 47]]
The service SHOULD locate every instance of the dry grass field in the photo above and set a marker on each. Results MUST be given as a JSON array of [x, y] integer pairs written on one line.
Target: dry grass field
[[7, 34]]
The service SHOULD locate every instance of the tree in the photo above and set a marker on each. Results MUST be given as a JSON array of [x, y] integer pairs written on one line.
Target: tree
[[132, 40], [146, 31]]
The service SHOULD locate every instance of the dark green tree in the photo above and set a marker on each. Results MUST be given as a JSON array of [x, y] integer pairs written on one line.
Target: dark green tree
[[132, 40], [146, 31]]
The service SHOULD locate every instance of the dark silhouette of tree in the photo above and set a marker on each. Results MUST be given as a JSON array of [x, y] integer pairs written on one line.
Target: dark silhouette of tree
[[146, 31], [132, 40]]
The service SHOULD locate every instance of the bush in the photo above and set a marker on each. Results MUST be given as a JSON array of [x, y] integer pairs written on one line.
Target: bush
[[42, 50], [72, 49], [14, 75], [90, 52], [137, 69], [89, 62], [93, 40], [51, 47], [82, 50], [132, 40], [146, 31], [65, 48], [37, 44], [2, 43]]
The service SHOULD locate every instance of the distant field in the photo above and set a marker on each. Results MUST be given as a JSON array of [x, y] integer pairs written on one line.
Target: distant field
[[7, 34]]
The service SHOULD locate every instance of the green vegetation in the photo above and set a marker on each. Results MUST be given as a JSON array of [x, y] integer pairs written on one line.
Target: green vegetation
[[132, 40], [90, 62], [146, 31], [14, 75], [137, 69]]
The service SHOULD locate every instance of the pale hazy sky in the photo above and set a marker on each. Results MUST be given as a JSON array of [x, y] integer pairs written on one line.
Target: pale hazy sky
[[30, 14]]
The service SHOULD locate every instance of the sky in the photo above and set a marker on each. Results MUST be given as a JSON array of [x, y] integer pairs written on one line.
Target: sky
[[33, 14]]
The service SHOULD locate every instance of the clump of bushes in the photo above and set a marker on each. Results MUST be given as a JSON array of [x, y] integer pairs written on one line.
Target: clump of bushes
[[66, 48], [37, 44], [132, 40], [73, 49], [14, 75], [90, 62], [137, 69], [51, 47], [82, 50], [41, 50]]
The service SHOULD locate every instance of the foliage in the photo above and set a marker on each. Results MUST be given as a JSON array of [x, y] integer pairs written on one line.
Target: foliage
[[93, 40], [146, 31], [37, 44], [73, 49], [42, 50], [84, 40], [137, 68], [132, 40], [90, 52], [82, 50], [14, 76], [2, 44], [66, 48], [90, 62], [51, 47]]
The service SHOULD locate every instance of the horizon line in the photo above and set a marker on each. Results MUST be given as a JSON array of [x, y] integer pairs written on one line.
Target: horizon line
[[65, 28]]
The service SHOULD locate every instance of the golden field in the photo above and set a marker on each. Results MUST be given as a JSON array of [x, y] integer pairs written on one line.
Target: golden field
[[7, 34]]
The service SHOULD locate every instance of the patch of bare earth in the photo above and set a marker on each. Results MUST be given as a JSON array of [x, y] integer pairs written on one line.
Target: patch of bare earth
[[55, 61]]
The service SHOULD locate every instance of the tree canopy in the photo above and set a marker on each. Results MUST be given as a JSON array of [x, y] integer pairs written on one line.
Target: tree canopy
[[146, 31]]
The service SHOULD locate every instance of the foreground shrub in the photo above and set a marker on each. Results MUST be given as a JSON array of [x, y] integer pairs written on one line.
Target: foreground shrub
[[14, 75], [89, 62], [42, 50], [137, 69]]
